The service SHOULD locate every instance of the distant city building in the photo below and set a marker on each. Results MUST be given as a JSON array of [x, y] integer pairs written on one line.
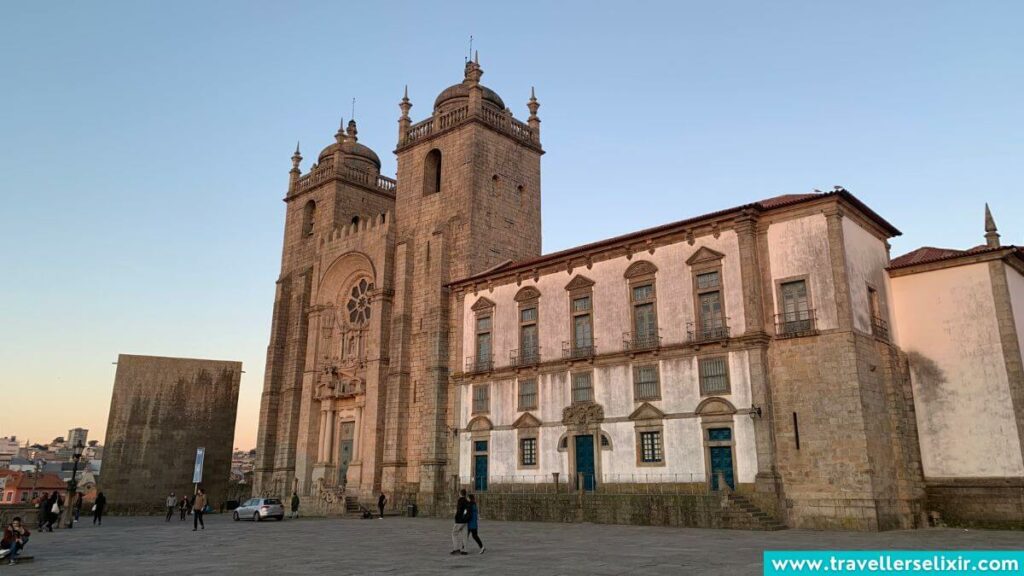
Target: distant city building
[[22, 487], [78, 436], [9, 446], [161, 411]]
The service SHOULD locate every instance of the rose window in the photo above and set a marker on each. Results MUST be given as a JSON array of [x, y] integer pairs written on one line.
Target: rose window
[[359, 302]]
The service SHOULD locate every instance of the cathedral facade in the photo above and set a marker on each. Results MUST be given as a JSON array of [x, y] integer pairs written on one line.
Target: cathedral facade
[[421, 343]]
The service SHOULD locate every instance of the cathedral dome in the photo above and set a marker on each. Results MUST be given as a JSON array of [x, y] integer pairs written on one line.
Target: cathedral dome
[[461, 90], [359, 152]]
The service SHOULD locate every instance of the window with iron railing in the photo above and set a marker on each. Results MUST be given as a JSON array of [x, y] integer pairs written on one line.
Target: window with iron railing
[[650, 447], [582, 387], [483, 343], [481, 398], [582, 322], [528, 353], [714, 376], [527, 395], [645, 383], [879, 328], [528, 451]]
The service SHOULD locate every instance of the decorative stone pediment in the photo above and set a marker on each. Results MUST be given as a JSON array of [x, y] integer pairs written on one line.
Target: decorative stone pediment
[[715, 407], [647, 412], [579, 282], [527, 420], [480, 424], [527, 293], [482, 303], [582, 414], [704, 255], [640, 268]]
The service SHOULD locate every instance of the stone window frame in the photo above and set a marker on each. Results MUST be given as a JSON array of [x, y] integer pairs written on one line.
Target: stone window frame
[[527, 427], [779, 302], [529, 297], [705, 260], [728, 375], [648, 418], [579, 287], [657, 381], [603, 437], [484, 310], [522, 464], [519, 395], [481, 393], [572, 389], [639, 274], [640, 433]]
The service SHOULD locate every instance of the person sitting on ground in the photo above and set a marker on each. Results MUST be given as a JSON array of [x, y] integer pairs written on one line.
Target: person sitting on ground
[[14, 540]]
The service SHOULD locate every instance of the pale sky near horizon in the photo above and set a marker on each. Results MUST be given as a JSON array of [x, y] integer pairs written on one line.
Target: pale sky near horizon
[[144, 146]]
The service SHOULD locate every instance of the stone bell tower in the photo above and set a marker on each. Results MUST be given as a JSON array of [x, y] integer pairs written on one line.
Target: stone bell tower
[[468, 199]]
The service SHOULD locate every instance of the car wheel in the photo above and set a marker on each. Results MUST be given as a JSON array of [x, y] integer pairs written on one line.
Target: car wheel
[[234, 515], [256, 517]]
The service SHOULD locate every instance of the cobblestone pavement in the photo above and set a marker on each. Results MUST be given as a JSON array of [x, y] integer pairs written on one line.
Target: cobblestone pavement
[[148, 545]]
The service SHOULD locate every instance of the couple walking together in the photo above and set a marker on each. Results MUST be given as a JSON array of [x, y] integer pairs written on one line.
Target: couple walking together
[[467, 517]]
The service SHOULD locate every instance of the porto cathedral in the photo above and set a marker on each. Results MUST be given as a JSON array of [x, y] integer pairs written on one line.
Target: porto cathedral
[[773, 351]]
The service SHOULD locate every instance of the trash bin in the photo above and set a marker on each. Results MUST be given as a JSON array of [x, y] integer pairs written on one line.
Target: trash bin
[[411, 510]]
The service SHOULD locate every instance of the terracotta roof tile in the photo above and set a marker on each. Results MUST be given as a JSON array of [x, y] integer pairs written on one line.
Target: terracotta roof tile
[[928, 254]]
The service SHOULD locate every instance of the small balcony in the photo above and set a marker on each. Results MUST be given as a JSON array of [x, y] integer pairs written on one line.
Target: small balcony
[[578, 352], [524, 357], [880, 328], [478, 364], [707, 332], [795, 324], [639, 342]]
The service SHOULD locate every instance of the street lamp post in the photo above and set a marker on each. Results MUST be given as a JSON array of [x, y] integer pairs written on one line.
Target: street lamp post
[[73, 484]]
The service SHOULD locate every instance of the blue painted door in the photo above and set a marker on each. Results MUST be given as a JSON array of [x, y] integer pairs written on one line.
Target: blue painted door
[[721, 457], [480, 472], [585, 461]]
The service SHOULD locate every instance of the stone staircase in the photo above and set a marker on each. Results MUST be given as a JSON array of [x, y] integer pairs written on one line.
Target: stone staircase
[[742, 514], [352, 505]]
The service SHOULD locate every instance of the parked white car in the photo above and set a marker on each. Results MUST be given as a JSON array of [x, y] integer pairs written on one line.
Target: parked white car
[[259, 509]]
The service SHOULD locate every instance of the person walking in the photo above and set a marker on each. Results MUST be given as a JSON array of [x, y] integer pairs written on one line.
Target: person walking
[[53, 507], [474, 522], [78, 505], [380, 504], [459, 529], [295, 505], [44, 512], [183, 507], [198, 507], [171, 503], [98, 507]]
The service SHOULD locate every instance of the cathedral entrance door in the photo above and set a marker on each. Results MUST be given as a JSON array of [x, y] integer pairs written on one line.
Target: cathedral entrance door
[[345, 450], [585, 461]]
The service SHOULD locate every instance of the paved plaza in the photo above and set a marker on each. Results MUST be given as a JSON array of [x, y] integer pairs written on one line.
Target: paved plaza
[[148, 545]]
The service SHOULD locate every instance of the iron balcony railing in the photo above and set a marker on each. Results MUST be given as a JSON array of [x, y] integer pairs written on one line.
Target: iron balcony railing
[[707, 331], [571, 352], [476, 364], [634, 342], [880, 328], [795, 323], [524, 357]]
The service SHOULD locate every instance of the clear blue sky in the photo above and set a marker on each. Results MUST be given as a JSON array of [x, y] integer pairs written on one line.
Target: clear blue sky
[[144, 145]]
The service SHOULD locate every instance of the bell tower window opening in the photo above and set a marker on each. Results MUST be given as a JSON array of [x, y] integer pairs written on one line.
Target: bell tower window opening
[[308, 218], [432, 172]]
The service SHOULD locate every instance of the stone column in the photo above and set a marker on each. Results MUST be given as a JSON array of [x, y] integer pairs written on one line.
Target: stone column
[[329, 441], [745, 226], [837, 255], [323, 436]]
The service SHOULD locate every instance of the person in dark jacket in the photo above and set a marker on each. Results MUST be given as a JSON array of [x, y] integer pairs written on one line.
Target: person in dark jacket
[[295, 504], [459, 529], [183, 507], [474, 522], [42, 514], [14, 540], [97, 509], [53, 508], [380, 504]]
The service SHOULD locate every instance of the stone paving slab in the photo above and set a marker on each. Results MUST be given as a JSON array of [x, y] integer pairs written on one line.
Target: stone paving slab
[[148, 545]]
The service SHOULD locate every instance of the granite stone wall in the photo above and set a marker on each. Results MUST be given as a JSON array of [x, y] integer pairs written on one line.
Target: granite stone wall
[[162, 409]]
